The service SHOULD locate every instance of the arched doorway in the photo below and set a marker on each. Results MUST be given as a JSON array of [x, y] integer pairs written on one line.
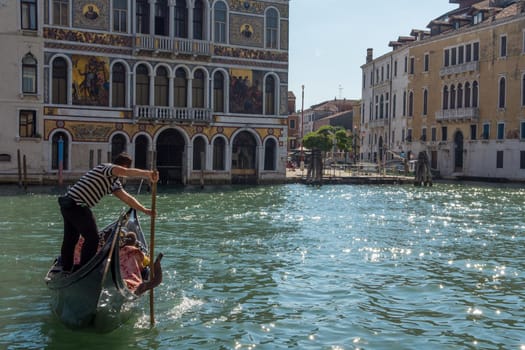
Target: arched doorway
[[458, 152], [141, 152], [244, 156], [170, 155], [270, 153]]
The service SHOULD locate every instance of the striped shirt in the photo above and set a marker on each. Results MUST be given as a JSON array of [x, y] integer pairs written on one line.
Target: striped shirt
[[94, 185]]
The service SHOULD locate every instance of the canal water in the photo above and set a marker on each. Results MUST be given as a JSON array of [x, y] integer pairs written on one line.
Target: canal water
[[295, 267]]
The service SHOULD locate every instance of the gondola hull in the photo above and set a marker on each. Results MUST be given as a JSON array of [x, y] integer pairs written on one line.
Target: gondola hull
[[96, 296]]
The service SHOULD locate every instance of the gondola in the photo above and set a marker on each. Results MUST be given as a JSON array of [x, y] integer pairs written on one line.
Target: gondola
[[96, 296]]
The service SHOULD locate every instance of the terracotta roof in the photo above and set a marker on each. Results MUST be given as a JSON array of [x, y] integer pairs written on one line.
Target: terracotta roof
[[511, 10]]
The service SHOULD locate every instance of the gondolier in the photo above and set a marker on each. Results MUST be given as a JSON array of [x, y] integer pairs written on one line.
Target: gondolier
[[76, 205]]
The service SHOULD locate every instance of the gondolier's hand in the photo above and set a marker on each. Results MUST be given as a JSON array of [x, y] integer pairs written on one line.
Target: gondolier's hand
[[154, 176], [150, 212]]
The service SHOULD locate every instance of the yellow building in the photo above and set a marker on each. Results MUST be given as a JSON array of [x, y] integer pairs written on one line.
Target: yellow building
[[465, 93], [195, 88]]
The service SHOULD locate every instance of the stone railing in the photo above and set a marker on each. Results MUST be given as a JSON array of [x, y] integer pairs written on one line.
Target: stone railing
[[460, 68], [459, 114], [171, 114], [173, 45]]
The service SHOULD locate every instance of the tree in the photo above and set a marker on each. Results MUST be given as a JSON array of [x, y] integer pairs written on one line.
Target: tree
[[317, 141]]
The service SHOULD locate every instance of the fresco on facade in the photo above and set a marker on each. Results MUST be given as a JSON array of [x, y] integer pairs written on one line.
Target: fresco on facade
[[246, 91], [90, 80]]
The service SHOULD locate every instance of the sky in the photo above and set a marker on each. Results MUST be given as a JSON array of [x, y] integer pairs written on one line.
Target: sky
[[329, 39]]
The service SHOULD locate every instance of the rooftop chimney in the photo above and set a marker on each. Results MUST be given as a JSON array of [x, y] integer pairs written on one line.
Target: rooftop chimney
[[369, 55]]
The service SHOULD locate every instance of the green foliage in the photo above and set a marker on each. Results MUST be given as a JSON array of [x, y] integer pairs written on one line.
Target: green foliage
[[323, 139], [314, 140]]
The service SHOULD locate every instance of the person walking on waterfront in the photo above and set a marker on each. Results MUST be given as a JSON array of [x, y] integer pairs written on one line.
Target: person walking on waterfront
[[76, 205]]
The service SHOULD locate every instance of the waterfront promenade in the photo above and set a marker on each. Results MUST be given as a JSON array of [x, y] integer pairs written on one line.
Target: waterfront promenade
[[339, 176]]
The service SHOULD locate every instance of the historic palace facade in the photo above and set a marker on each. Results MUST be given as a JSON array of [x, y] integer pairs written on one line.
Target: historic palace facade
[[196, 88], [456, 91]]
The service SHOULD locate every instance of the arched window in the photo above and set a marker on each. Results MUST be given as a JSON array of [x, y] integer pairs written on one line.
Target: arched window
[[220, 19], [29, 73], [270, 151], [475, 94], [198, 20], [198, 89], [387, 97], [425, 102], [410, 103], [199, 153], [161, 87], [219, 154], [141, 152], [272, 28], [120, 16], [218, 92], [118, 145], [161, 17], [142, 86], [61, 12], [394, 105], [269, 94], [523, 90], [118, 85], [452, 96], [467, 95], [445, 97], [404, 103], [381, 106], [59, 89], [502, 92], [460, 96], [180, 88], [181, 19], [142, 16], [59, 138]]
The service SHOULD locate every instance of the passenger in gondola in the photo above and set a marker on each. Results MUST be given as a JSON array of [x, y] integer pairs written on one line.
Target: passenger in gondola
[[76, 205], [133, 263]]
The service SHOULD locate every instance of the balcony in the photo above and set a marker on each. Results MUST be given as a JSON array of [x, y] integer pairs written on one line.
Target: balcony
[[460, 114], [172, 114], [460, 68], [174, 46], [378, 123]]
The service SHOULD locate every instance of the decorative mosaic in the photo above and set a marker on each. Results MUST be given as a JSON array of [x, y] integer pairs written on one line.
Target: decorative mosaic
[[91, 132], [247, 6], [247, 30], [92, 49], [246, 91], [227, 51], [101, 132], [92, 14], [257, 7], [90, 80], [87, 37]]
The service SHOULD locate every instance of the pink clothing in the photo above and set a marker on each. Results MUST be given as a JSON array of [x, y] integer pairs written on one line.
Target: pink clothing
[[78, 249], [131, 260]]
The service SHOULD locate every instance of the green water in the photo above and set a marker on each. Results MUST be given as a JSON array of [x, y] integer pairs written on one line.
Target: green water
[[295, 267]]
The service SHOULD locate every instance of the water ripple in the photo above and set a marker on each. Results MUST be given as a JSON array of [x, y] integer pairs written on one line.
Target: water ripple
[[296, 267]]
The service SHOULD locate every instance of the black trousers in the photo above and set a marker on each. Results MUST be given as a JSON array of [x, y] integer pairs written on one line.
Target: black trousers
[[78, 220]]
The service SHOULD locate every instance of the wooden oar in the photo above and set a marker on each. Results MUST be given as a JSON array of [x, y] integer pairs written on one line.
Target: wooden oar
[[152, 251]]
